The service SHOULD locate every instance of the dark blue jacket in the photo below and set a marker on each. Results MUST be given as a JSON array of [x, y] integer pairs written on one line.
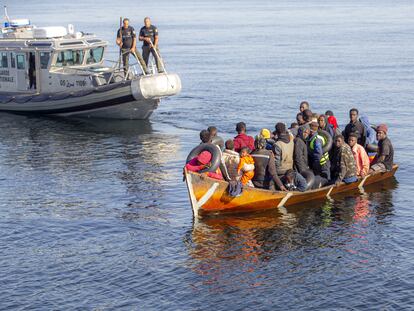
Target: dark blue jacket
[[299, 183]]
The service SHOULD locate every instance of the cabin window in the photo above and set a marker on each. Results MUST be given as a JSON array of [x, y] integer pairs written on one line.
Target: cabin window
[[44, 59], [20, 61], [3, 62], [94, 55], [13, 60], [69, 58]]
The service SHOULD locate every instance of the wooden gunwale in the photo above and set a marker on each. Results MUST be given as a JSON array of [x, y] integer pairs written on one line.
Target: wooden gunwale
[[209, 196]]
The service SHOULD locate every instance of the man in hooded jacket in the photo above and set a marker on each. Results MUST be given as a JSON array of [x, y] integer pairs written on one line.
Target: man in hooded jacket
[[265, 175], [300, 151], [324, 125], [283, 149]]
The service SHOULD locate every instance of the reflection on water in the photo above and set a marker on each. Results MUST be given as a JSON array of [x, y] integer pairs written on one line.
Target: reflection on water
[[231, 250], [83, 162], [92, 218]]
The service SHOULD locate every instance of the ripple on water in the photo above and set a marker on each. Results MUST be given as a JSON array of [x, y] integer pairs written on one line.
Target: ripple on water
[[94, 215]]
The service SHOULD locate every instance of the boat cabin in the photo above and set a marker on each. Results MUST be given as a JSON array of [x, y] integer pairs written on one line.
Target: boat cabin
[[48, 59]]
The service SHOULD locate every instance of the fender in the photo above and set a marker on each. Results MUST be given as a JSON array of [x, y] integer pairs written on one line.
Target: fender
[[215, 159]]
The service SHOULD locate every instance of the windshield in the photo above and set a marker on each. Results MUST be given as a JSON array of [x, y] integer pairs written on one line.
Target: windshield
[[44, 59], [70, 58], [94, 55]]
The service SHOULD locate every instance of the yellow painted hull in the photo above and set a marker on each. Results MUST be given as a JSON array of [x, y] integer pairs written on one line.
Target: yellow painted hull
[[209, 196]]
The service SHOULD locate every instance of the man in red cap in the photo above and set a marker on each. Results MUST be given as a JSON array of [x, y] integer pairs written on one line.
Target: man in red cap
[[385, 154], [201, 162]]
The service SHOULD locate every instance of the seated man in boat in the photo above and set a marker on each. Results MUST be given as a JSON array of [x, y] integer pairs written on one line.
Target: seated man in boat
[[293, 129], [319, 160], [265, 134], [304, 106], [246, 167], [205, 137], [299, 119], [127, 41], [315, 117], [355, 126], [300, 151], [294, 181], [149, 36], [212, 130], [242, 139], [332, 121], [324, 125], [265, 175], [283, 149], [371, 135], [202, 161], [217, 140], [384, 159], [360, 155], [231, 160], [343, 165], [307, 116]]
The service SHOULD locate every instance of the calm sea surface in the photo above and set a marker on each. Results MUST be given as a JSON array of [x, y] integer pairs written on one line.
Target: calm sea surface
[[94, 214]]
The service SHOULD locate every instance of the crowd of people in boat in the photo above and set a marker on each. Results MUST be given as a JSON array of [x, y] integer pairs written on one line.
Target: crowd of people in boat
[[312, 149]]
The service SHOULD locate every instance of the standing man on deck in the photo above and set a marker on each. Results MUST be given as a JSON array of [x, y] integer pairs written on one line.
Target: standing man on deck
[[149, 36], [127, 41]]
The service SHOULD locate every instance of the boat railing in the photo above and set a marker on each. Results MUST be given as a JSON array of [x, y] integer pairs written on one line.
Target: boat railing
[[114, 69]]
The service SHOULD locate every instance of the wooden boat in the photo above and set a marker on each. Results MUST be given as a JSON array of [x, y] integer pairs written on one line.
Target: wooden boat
[[209, 196]]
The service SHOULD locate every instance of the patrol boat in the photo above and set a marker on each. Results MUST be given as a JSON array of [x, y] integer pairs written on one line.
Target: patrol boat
[[59, 71]]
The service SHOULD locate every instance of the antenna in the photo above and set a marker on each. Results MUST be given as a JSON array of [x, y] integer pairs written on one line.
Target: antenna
[[5, 14]]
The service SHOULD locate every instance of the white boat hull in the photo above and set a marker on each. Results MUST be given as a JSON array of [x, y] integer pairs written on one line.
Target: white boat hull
[[133, 110], [124, 100]]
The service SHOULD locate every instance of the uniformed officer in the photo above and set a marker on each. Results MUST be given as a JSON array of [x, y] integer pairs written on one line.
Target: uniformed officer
[[149, 36], [126, 39]]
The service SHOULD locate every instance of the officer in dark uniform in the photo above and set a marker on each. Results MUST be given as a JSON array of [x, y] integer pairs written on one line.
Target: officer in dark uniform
[[149, 36], [32, 71], [126, 39]]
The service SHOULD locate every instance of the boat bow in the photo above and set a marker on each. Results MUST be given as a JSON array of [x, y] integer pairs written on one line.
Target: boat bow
[[156, 86]]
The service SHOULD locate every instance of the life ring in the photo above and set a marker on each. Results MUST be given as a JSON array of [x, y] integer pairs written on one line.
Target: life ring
[[371, 148], [218, 141], [215, 159], [328, 141], [310, 178]]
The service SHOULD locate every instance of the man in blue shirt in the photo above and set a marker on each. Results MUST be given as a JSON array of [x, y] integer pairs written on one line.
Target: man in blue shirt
[[149, 36]]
